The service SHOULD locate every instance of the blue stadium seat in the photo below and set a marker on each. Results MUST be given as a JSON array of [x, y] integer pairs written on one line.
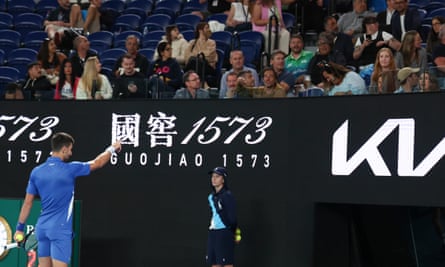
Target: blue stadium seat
[[151, 39], [20, 58], [168, 7], [9, 40], [28, 22], [127, 22], [422, 13], [3, 7], [437, 12], [148, 53], [193, 5], [109, 11], [188, 35], [223, 36], [109, 57], [117, 6], [119, 39], [254, 36], [7, 75], [43, 7], [433, 6], [187, 22], [139, 7], [251, 56], [421, 3], [6, 20], [34, 39], [2, 57], [16, 7], [220, 17], [101, 40], [289, 21], [156, 22], [424, 31]]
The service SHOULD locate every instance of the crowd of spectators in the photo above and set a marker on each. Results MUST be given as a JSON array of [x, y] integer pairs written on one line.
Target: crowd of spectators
[[357, 52]]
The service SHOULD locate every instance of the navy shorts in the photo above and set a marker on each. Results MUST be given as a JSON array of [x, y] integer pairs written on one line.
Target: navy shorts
[[220, 247]]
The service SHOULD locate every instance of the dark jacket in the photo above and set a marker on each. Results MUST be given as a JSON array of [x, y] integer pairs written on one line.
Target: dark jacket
[[224, 202], [77, 63], [412, 22]]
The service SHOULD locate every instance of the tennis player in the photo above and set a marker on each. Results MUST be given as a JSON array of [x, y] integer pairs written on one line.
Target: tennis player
[[221, 240], [54, 182]]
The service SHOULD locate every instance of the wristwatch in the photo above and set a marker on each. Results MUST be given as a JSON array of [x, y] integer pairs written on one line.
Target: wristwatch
[[5, 236]]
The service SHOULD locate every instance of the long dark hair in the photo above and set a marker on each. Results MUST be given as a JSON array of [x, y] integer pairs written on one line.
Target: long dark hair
[[43, 55], [168, 32], [62, 76]]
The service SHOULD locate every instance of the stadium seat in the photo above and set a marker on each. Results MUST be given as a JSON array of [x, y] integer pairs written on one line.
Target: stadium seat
[[223, 36], [256, 37], [119, 39], [251, 56], [20, 58], [7, 75], [3, 7], [433, 6], [220, 17], [289, 21], [6, 20], [2, 57], [148, 53], [422, 13], [34, 39], [187, 22], [101, 40], [168, 7], [437, 12], [188, 35], [16, 7], [43, 7], [424, 30], [193, 5], [151, 39], [139, 7], [9, 40], [421, 3], [127, 22], [109, 57], [28, 22], [109, 11], [155, 22]]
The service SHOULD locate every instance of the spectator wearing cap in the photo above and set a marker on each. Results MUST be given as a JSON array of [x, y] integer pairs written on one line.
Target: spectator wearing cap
[[35, 81], [298, 59], [351, 22], [409, 80], [326, 53], [223, 221], [369, 43], [404, 19]]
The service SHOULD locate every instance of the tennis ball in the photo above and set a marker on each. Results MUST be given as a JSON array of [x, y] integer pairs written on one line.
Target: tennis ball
[[237, 238], [19, 237]]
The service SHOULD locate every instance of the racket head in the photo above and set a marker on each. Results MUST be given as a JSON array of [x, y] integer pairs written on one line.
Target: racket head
[[30, 242]]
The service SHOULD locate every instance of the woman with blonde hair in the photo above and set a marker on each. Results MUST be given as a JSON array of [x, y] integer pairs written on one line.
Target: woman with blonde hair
[[384, 62], [93, 84], [411, 53]]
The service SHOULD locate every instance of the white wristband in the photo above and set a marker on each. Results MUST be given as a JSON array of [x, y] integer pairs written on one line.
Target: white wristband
[[111, 149]]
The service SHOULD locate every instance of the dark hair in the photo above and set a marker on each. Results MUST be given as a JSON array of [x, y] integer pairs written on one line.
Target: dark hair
[[186, 75], [270, 69], [330, 67], [243, 72], [62, 76], [368, 20], [43, 56], [161, 47], [199, 27], [60, 140], [168, 32]]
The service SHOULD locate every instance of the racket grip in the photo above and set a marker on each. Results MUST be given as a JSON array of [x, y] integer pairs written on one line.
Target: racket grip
[[12, 245]]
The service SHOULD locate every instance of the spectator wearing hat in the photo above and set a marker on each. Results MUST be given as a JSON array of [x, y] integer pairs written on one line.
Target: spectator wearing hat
[[223, 222], [409, 80], [369, 43], [36, 82]]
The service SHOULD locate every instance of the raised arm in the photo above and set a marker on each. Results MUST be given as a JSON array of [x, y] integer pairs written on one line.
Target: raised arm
[[104, 157]]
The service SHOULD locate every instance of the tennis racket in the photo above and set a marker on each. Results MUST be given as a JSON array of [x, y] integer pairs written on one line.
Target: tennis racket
[[28, 243]]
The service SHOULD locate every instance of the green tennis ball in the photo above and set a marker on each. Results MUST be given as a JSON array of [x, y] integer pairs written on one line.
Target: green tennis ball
[[237, 238], [19, 237]]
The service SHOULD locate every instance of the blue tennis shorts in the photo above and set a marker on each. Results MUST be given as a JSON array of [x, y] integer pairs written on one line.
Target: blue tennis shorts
[[220, 247], [56, 244]]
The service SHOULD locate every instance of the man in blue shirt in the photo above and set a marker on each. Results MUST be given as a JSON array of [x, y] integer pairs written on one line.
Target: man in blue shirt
[[54, 182]]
